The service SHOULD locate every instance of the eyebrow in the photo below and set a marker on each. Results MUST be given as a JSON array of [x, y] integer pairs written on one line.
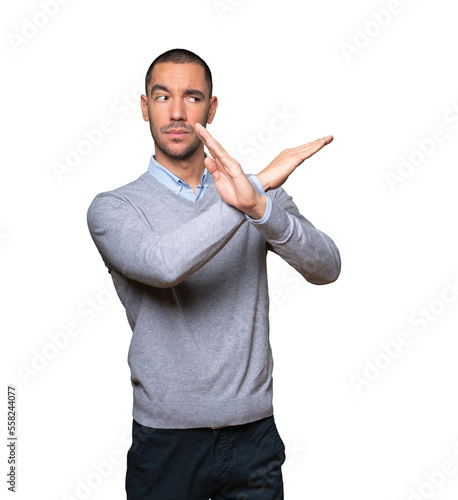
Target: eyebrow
[[188, 91]]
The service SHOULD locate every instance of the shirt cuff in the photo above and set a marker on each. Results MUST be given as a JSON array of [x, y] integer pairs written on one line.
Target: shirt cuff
[[256, 183], [258, 186], [266, 213]]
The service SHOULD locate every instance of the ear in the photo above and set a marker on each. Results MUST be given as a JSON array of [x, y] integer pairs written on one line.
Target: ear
[[144, 106], [212, 109]]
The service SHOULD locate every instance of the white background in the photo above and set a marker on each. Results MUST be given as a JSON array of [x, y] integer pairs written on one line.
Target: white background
[[380, 95]]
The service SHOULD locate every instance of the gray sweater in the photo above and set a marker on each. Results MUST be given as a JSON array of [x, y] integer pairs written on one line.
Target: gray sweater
[[192, 278]]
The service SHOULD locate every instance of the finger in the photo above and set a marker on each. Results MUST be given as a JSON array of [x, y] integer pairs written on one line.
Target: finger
[[224, 162], [319, 142], [210, 138], [211, 165], [206, 137], [322, 141], [214, 166], [212, 144], [219, 175], [311, 148]]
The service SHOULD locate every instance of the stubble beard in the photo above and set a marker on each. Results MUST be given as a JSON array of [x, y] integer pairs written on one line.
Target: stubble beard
[[184, 154]]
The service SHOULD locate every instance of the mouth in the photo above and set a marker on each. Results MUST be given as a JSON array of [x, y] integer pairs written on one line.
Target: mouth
[[177, 133]]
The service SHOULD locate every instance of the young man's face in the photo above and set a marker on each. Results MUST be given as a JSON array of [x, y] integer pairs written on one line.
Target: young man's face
[[178, 98]]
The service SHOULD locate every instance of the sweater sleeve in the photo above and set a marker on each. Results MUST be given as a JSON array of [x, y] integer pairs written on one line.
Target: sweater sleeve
[[289, 234], [128, 244]]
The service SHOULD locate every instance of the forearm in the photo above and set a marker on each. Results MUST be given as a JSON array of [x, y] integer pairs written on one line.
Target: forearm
[[128, 244], [310, 251]]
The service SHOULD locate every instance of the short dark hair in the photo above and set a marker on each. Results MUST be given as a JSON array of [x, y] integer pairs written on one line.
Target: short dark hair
[[179, 56]]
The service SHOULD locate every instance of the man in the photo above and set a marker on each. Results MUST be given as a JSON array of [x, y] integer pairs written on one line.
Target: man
[[186, 246]]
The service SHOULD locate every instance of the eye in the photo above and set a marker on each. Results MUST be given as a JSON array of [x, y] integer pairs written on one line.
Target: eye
[[161, 98], [196, 99]]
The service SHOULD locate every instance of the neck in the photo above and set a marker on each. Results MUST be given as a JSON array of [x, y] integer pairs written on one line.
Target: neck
[[190, 170]]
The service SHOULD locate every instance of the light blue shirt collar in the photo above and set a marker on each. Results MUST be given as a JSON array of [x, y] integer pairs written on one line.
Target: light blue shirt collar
[[175, 183]]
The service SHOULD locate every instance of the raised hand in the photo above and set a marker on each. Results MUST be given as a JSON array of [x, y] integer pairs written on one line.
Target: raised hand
[[276, 173], [230, 180]]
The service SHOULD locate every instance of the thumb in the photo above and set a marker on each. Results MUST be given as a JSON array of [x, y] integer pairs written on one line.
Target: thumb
[[210, 165]]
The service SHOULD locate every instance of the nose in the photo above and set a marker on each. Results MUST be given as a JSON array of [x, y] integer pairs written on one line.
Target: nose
[[177, 110]]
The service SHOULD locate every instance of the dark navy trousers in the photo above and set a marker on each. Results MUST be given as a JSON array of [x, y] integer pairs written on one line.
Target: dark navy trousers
[[239, 462]]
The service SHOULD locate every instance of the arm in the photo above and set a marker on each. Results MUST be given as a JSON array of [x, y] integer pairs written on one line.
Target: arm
[[128, 244], [311, 252], [276, 173], [290, 235]]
